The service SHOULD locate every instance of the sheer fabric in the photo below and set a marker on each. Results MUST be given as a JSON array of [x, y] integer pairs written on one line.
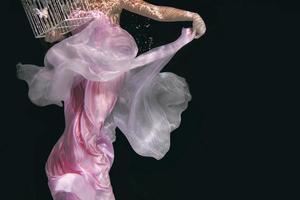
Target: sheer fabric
[[104, 85]]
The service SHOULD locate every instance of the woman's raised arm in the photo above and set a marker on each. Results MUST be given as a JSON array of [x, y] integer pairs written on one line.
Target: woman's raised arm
[[165, 14]]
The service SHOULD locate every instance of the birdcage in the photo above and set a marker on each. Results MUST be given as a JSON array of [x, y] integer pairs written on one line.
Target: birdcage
[[57, 15]]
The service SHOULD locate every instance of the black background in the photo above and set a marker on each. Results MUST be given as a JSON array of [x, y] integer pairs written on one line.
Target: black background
[[241, 76]]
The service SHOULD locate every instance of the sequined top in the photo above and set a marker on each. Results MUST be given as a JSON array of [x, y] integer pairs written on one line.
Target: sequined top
[[113, 9]]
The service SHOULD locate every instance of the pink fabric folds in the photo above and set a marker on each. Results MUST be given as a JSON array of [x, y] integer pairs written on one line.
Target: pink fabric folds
[[104, 85]]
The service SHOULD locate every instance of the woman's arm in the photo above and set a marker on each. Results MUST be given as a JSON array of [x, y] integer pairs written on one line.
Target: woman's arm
[[165, 14]]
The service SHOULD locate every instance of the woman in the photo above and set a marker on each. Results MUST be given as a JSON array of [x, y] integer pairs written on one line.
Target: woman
[[104, 85]]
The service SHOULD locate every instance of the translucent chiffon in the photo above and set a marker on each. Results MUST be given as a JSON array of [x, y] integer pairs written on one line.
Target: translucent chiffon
[[104, 85]]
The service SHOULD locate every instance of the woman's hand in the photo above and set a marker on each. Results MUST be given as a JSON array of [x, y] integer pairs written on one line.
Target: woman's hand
[[54, 36], [198, 25]]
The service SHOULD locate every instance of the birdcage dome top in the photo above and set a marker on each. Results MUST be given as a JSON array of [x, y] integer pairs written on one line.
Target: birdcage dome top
[[60, 15]]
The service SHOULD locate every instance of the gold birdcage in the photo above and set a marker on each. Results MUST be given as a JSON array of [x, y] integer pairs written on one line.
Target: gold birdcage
[[57, 15]]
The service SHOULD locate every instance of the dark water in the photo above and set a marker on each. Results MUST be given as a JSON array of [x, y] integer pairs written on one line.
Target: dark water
[[242, 76]]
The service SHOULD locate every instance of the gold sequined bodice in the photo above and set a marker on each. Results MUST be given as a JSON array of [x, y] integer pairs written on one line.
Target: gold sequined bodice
[[111, 8]]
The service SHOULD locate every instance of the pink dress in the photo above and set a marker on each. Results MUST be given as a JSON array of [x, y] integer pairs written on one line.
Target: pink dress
[[104, 85]]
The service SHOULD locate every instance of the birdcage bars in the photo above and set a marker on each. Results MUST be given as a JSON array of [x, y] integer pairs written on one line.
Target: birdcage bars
[[48, 15]]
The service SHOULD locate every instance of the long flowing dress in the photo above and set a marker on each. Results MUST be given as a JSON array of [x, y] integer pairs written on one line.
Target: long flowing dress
[[104, 85]]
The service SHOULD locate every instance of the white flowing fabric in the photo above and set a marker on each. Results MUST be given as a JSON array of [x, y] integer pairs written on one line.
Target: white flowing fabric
[[104, 85], [150, 104]]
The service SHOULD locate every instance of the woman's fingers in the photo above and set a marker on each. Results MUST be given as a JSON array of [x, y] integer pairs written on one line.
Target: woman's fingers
[[53, 36], [199, 26], [197, 36]]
